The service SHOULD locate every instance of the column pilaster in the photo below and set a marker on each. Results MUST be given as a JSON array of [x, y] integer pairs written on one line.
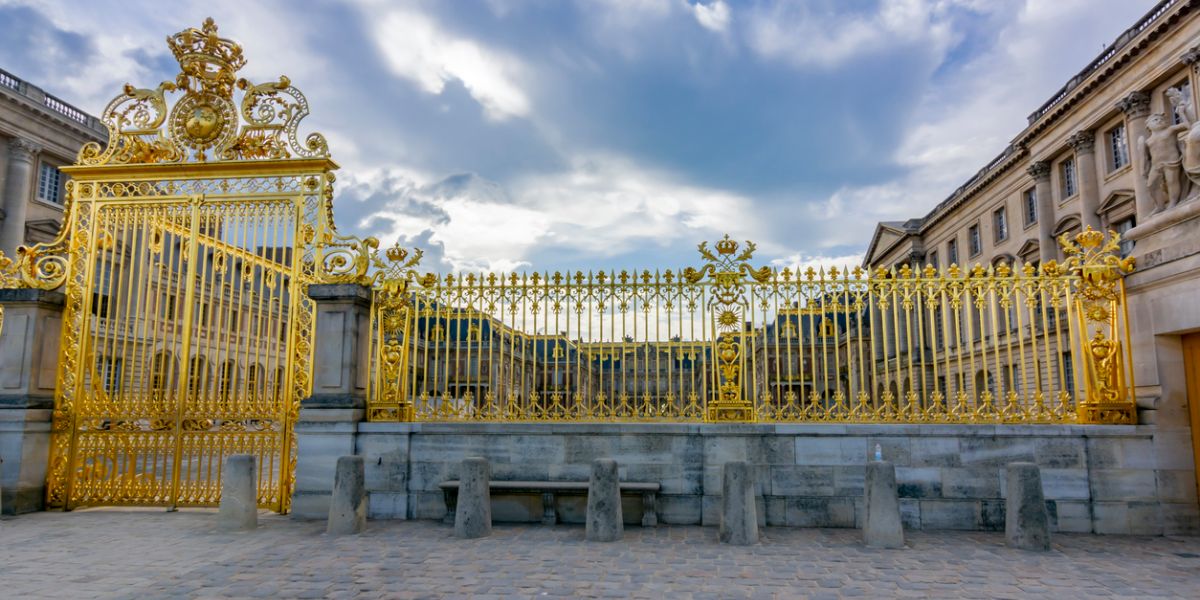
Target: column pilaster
[[1084, 144], [1136, 107], [1048, 248], [18, 185]]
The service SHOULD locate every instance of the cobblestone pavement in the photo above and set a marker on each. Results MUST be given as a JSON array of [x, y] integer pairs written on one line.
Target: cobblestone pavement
[[153, 554]]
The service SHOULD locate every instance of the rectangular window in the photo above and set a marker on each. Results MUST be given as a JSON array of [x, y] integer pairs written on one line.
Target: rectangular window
[[110, 374], [976, 244], [1067, 375], [933, 259], [100, 305], [939, 338], [1067, 172], [50, 184], [168, 308], [1122, 227], [1118, 149], [1030, 198], [952, 252], [1000, 223]]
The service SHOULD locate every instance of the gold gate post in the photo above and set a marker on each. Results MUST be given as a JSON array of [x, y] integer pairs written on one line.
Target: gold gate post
[[729, 270], [392, 324], [1101, 324]]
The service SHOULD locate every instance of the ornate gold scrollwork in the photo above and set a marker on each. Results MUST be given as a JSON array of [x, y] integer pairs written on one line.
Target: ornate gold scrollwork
[[1099, 312], [391, 316], [728, 270], [204, 124]]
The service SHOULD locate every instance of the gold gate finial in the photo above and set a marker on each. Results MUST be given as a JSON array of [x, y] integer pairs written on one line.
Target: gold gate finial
[[207, 123]]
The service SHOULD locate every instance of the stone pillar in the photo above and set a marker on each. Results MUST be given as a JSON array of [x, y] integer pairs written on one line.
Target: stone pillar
[[1040, 171], [1084, 143], [329, 419], [1136, 107], [605, 523], [348, 508], [882, 527], [739, 513], [239, 494], [1026, 522], [473, 515], [29, 342], [18, 189]]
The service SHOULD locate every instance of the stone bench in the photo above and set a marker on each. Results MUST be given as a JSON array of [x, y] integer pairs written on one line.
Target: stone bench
[[549, 490]]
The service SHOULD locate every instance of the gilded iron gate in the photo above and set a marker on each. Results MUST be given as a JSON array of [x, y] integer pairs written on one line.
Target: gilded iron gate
[[187, 248]]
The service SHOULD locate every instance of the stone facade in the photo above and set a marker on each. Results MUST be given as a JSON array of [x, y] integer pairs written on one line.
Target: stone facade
[[38, 134], [1089, 157]]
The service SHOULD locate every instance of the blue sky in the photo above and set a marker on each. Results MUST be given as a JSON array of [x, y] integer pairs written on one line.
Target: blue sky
[[583, 134]]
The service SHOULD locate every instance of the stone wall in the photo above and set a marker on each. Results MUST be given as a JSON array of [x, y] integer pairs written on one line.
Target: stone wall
[[1099, 479]]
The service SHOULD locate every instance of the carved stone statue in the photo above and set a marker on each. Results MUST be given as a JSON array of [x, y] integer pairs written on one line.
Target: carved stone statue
[[1181, 104], [1191, 156], [1162, 163]]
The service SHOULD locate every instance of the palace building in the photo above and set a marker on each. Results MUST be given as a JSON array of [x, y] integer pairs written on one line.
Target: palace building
[[38, 134]]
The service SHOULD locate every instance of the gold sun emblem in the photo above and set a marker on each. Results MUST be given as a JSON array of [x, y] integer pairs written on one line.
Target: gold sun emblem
[[727, 318]]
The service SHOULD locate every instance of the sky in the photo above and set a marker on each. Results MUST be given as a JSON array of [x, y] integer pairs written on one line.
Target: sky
[[613, 134]]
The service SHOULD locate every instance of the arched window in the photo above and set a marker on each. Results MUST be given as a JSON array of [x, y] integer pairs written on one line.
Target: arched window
[[984, 381], [163, 375], [279, 381], [254, 380], [228, 380], [197, 375]]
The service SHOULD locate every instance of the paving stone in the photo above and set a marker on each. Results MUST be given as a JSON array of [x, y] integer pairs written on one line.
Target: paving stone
[[114, 553]]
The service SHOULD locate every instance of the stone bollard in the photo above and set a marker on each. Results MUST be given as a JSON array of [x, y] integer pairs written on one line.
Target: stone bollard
[[882, 527], [348, 507], [604, 520], [239, 494], [1026, 522], [473, 518], [739, 513]]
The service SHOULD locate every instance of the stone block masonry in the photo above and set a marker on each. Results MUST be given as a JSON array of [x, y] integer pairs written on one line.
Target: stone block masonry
[[1103, 479]]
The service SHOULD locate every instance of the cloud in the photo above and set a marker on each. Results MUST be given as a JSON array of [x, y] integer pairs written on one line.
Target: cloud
[[603, 206], [818, 35], [799, 263], [713, 16], [417, 49]]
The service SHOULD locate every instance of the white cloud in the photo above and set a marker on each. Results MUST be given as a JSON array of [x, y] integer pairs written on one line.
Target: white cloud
[[713, 16], [801, 262], [602, 206], [417, 49], [797, 34]]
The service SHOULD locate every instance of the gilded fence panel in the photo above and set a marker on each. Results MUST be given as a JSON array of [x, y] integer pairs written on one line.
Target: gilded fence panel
[[731, 341]]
